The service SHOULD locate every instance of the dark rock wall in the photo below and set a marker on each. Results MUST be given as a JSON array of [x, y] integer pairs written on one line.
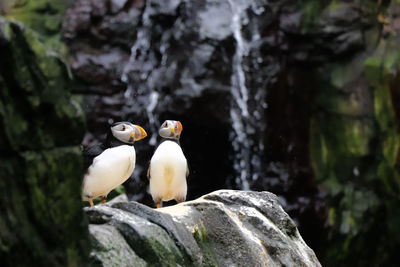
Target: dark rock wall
[[41, 127]]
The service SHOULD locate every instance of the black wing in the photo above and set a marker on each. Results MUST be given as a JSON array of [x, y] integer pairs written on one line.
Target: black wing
[[89, 153]]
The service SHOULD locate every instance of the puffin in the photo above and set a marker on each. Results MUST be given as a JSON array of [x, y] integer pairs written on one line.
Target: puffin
[[168, 168], [111, 163]]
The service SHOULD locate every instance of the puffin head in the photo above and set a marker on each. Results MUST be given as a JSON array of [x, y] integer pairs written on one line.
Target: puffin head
[[171, 129], [127, 132]]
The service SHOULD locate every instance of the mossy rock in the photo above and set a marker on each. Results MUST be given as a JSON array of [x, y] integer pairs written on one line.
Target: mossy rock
[[43, 16], [36, 104], [354, 146], [41, 163]]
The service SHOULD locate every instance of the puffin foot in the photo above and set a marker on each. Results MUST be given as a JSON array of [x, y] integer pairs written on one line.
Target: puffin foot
[[103, 200], [91, 201], [158, 205]]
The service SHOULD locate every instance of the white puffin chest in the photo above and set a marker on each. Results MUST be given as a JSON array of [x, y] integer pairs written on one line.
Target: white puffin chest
[[108, 170], [168, 172]]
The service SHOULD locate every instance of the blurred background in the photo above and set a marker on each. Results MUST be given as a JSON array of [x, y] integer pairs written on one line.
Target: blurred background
[[299, 98]]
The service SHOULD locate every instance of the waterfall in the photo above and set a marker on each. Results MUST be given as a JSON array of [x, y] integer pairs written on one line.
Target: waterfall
[[146, 97], [153, 119], [155, 67], [245, 122], [141, 44], [239, 110]]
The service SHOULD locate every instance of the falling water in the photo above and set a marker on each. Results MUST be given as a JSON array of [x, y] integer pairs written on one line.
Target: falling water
[[245, 123], [153, 119], [239, 111], [246, 113], [148, 100], [238, 78], [141, 44]]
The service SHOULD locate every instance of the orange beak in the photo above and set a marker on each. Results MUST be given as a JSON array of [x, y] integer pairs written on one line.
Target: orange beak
[[180, 128], [138, 135]]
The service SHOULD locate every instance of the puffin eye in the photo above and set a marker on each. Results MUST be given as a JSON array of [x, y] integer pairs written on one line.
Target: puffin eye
[[165, 125], [120, 127], [117, 127]]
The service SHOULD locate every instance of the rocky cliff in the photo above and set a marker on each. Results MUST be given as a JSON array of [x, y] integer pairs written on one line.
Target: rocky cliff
[[42, 221], [296, 97], [224, 228], [41, 127]]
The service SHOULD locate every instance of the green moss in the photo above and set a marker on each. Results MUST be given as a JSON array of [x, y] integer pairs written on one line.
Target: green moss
[[379, 71], [43, 16], [168, 255], [43, 202], [310, 11], [354, 146], [340, 143], [153, 244], [334, 5], [201, 237], [44, 78], [332, 216], [41, 175]]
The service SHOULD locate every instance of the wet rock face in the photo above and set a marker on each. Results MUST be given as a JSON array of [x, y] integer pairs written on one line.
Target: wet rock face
[[208, 64], [40, 159], [224, 228]]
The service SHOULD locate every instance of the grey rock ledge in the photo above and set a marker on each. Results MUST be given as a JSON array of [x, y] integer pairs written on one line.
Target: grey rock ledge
[[223, 228]]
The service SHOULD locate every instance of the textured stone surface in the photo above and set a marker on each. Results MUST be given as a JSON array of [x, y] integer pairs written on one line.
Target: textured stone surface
[[224, 228], [40, 158]]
